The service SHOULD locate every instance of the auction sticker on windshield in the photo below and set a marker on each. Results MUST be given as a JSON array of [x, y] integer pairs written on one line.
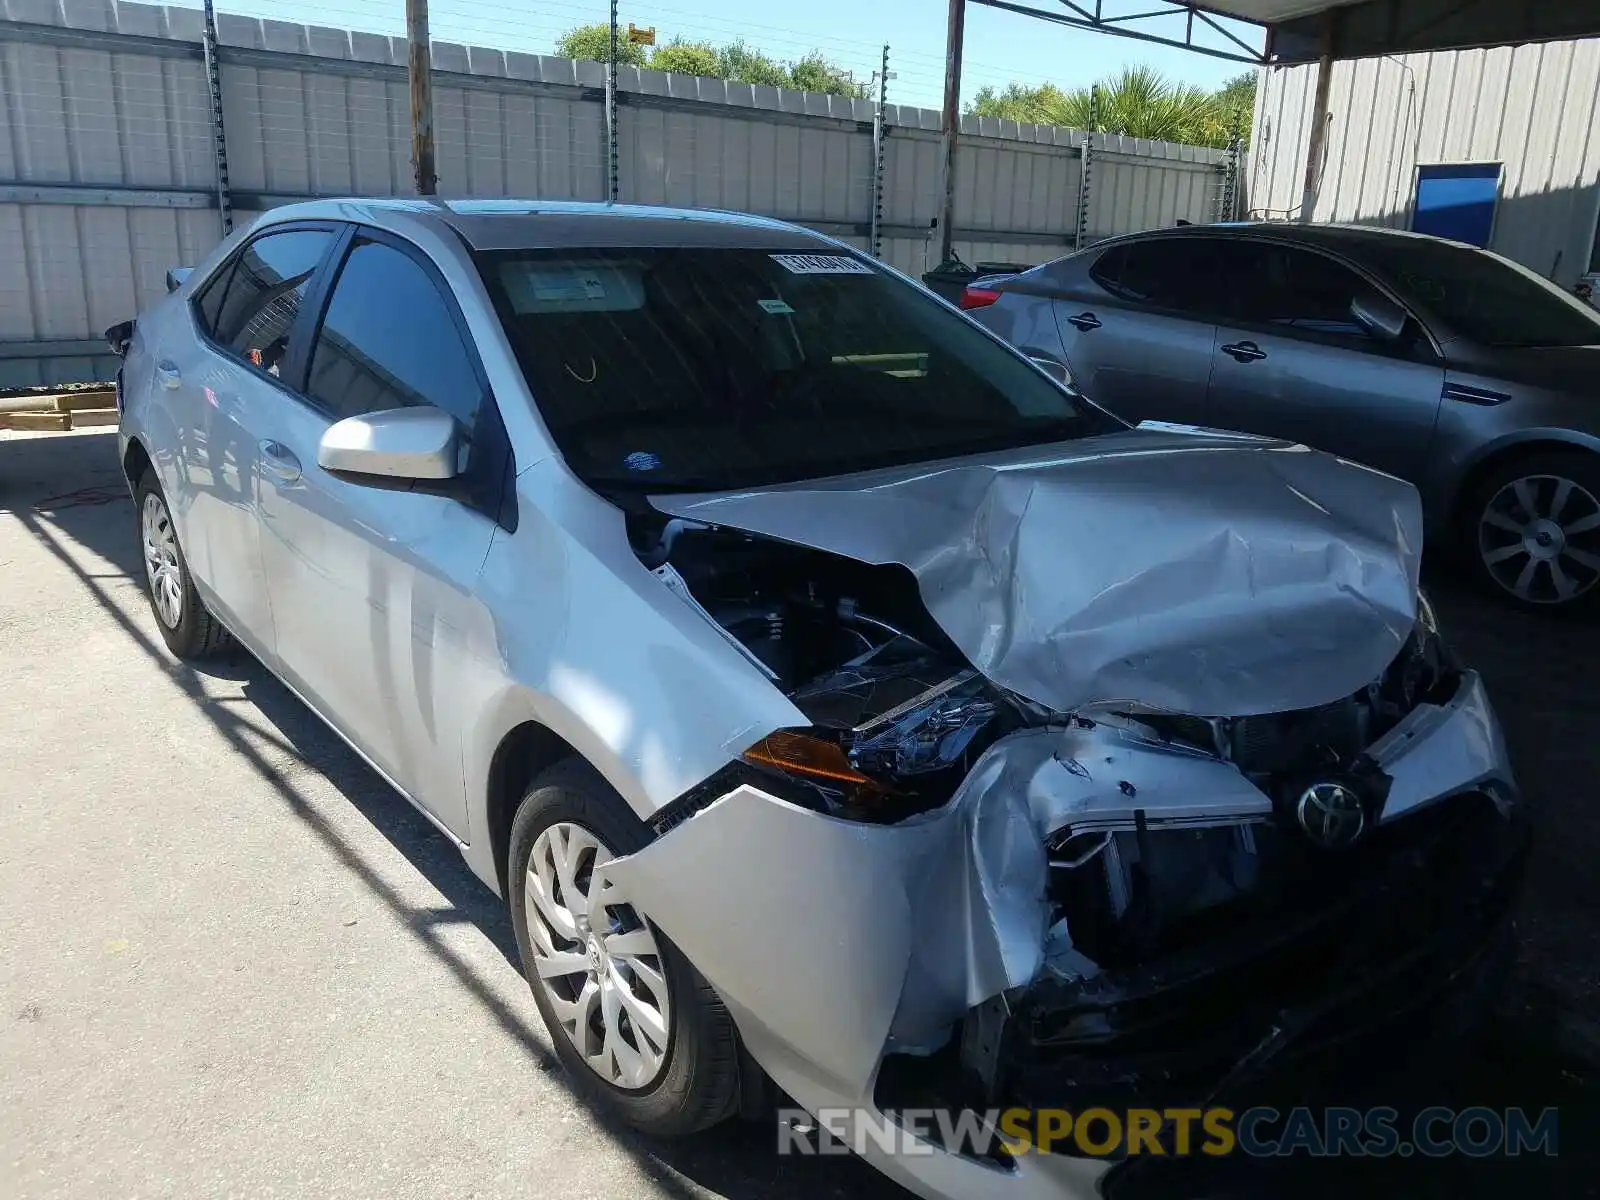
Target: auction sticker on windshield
[[821, 264]]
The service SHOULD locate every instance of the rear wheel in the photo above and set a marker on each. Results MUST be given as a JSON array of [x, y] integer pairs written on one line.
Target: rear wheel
[[631, 1019], [187, 627], [1535, 531]]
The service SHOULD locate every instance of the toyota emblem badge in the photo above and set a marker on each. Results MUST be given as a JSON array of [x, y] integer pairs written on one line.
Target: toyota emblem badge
[[1331, 814]]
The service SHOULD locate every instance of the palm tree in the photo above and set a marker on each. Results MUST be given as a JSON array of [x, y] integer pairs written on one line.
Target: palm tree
[[1137, 102]]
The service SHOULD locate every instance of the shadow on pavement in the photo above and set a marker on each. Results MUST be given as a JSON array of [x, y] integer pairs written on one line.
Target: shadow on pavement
[[91, 508], [1540, 672]]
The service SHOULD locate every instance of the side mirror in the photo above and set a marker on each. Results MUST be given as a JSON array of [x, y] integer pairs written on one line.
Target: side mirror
[[401, 444], [118, 337], [176, 277], [1379, 316]]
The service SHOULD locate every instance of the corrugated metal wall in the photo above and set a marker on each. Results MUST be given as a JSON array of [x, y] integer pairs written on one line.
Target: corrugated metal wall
[[107, 172], [1534, 108]]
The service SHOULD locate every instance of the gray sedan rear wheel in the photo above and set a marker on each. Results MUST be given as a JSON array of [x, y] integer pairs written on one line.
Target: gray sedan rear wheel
[[1537, 531]]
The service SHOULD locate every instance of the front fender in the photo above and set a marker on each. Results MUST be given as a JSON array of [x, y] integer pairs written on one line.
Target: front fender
[[1450, 490]]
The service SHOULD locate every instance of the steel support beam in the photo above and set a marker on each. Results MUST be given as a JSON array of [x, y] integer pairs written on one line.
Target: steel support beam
[[1077, 17], [1318, 140]]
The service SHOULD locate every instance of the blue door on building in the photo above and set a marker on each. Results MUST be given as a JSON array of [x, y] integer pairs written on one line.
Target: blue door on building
[[1456, 200]]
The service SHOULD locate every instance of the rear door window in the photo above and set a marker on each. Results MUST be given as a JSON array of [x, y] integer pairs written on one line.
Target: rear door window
[[269, 280]]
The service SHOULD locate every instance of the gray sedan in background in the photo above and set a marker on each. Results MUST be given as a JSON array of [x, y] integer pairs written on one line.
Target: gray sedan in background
[[1446, 365]]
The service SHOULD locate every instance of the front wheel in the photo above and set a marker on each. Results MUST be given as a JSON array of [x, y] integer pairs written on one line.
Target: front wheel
[[1535, 531], [631, 1019]]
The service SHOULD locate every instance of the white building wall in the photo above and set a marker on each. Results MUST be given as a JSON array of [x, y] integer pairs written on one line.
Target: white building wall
[[1534, 108]]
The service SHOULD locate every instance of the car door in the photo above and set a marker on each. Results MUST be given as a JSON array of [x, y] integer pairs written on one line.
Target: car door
[[1292, 362], [220, 384], [372, 587], [1137, 331]]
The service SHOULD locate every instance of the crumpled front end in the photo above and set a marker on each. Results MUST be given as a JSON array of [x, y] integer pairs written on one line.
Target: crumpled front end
[[1018, 859]]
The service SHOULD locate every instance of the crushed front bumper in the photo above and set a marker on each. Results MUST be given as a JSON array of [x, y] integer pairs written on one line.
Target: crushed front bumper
[[838, 946], [1229, 1020]]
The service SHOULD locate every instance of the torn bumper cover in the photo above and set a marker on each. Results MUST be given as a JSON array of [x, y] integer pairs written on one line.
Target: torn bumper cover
[[839, 943]]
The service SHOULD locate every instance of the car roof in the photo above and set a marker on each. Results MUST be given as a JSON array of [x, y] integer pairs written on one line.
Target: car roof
[[508, 224], [1357, 241]]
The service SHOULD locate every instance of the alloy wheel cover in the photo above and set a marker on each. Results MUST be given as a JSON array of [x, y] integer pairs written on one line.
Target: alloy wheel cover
[[596, 960]]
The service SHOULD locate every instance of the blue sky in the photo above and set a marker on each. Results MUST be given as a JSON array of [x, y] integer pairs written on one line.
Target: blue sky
[[1000, 46]]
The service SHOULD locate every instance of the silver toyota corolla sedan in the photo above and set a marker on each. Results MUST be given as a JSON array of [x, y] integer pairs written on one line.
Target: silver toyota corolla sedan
[[852, 716], [1443, 364]]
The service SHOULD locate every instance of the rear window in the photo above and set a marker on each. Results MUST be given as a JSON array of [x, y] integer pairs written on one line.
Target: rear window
[[688, 369], [1484, 297]]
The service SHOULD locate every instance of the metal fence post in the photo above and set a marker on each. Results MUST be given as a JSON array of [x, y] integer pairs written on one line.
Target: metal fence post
[[1085, 158], [611, 112], [880, 135], [1228, 200], [208, 44]]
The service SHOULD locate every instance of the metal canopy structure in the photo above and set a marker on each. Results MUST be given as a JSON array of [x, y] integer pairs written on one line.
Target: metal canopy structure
[[1299, 31], [1147, 25]]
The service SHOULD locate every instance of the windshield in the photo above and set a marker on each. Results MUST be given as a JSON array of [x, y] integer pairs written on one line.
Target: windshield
[[692, 369], [1487, 298]]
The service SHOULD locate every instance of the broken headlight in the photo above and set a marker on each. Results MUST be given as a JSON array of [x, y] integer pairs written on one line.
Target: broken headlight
[[884, 744]]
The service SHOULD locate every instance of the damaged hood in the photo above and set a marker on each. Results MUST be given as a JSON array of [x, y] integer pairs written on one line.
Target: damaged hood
[[1201, 572]]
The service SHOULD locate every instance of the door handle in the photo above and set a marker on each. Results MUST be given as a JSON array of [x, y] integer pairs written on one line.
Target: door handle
[[279, 461], [1244, 351], [168, 375], [1084, 321]]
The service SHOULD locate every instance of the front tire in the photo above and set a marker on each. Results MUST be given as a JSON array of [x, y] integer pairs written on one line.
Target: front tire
[[186, 625], [631, 1020], [1533, 532]]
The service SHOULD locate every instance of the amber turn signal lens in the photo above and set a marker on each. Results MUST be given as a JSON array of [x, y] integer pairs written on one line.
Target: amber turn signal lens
[[814, 757]]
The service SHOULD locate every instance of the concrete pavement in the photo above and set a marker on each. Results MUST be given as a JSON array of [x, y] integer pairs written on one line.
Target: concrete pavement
[[233, 963]]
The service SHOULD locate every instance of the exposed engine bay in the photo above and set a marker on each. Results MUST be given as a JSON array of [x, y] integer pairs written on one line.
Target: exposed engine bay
[[899, 718]]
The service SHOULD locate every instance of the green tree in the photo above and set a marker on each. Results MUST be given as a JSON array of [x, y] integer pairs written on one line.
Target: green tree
[[737, 61], [1042, 105], [1137, 102], [688, 58], [1237, 100], [814, 73], [743, 64], [593, 44]]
